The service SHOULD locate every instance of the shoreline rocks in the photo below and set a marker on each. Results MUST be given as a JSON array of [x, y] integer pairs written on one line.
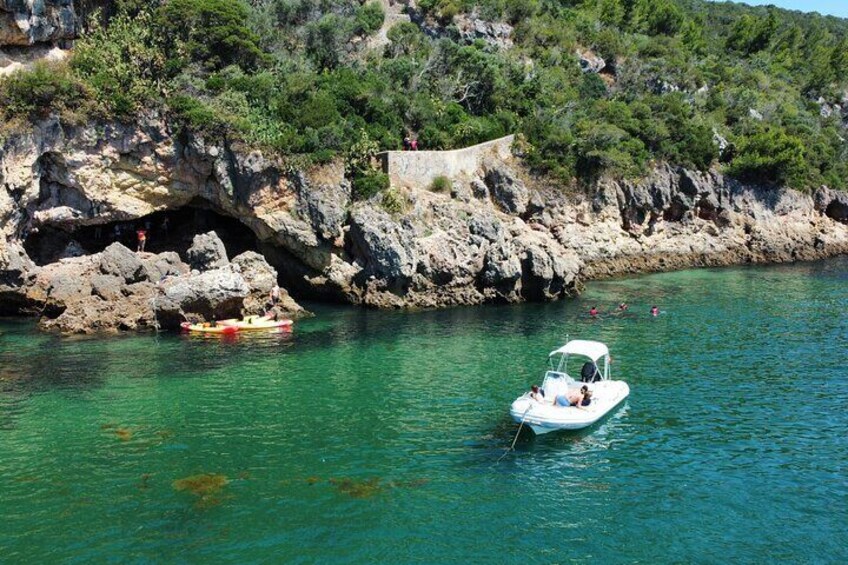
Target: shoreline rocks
[[118, 289], [499, 235]]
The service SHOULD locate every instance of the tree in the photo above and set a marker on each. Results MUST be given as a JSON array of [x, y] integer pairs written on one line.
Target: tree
[[751, 34], [770, 156], [839, 61], [611, 12], [212, 32], [325, 41]]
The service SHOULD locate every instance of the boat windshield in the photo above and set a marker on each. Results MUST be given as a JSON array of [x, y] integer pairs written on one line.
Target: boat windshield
[[560, 363]]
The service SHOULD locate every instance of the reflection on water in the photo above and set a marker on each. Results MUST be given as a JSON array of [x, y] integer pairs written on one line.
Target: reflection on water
[[366, 436]]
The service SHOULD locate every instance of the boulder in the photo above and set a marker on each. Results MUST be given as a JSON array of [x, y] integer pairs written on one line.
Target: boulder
[[261, 278], [16, 268], [207, 252], [507, 189], [590, 62], [255, 271], [215, 294], [119, 261], [166, 264]]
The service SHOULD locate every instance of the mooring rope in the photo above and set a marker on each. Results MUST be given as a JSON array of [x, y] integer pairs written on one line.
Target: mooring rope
[[515, 439]]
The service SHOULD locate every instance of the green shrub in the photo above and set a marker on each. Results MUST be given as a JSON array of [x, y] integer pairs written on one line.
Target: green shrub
[[366, 185], [440, 184], [196, 115], [368, 19], [394, 202], [44, 89], [122, 62]]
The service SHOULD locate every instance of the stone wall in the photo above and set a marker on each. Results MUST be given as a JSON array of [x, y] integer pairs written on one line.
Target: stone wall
[[417, 169]]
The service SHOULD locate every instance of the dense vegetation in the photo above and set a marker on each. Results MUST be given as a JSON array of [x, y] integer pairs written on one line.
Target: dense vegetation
[[303, 78]]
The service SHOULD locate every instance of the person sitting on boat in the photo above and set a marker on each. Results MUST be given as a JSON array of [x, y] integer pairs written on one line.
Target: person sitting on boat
[[580, 397], [537, 394]]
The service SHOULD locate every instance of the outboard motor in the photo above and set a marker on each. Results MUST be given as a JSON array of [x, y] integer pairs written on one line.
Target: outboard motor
[[589, 372]]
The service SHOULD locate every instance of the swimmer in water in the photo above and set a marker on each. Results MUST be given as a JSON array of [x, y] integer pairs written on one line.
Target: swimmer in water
[[622, 307], [594, 311], [655, 311]]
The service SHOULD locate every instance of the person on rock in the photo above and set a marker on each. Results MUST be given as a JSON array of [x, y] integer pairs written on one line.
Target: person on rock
[[141, 234]]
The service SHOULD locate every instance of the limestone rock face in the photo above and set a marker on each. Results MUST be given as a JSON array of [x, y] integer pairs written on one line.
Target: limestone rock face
[[832, 203], [383, 244], [26, 22], [207, 252], [324, 203], [507, 189], [500, 235], [261, 278], [472, 28]]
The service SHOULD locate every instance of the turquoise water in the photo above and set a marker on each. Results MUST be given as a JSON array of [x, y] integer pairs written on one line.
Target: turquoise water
[[374, 437]]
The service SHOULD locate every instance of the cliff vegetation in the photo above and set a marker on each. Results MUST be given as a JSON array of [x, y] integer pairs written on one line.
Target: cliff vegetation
[[596, 87]]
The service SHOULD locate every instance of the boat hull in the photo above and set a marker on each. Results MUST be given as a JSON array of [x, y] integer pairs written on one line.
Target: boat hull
[[544, 418]]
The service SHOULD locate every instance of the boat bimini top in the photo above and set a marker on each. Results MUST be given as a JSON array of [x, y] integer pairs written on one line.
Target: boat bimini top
[[594, 351]]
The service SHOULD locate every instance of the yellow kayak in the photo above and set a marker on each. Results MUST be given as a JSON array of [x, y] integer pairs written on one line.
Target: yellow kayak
[[247, 319], [189, 327], [255, 323]]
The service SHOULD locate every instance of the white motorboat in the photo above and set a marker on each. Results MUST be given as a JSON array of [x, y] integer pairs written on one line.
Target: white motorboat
[[543, 414]]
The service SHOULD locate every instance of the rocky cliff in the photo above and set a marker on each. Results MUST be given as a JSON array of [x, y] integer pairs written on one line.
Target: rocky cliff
[[495, 237]]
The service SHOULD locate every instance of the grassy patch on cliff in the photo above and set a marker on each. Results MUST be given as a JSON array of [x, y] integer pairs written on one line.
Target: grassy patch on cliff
[[678, 80]]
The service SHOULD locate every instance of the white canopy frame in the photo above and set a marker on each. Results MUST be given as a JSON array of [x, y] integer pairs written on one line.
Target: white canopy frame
[[593, 350]]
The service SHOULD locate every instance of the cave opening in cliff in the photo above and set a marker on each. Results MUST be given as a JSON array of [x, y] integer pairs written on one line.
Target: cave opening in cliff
[[171, 230]]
